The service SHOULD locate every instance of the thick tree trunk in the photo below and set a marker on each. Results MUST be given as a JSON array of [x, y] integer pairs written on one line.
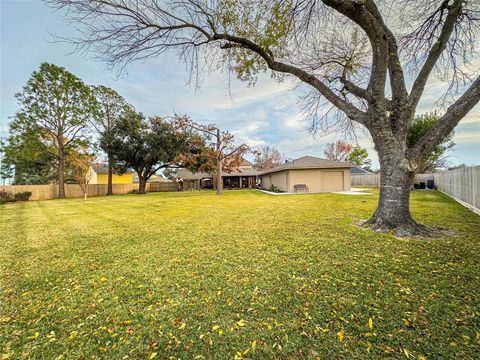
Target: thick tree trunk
[[393, 211], [61, 175], [142, 185], [110, 175], [219, 163], [219, 177]]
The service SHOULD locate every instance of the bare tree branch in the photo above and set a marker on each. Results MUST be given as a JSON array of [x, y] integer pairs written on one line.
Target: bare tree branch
[[447, 122]]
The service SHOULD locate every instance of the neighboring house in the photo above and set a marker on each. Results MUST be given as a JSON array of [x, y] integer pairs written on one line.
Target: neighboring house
[[99, 175], [245, 177], [359, 171], [153, 179], [308, 174]]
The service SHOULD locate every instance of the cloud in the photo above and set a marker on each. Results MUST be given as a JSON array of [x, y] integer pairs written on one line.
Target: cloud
[[266, 114]]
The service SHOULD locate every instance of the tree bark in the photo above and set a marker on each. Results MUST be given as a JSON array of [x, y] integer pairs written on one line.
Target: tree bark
[[110, 175], [61, 174], [219, 164], [396, 181], [219, 178], [142, 184]]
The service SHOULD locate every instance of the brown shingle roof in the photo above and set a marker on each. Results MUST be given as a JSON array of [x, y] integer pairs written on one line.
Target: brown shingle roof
[[103, 169], [308, 162], [188, 175]]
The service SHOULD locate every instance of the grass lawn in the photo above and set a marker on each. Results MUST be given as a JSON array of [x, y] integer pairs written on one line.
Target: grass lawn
[[196, 276]]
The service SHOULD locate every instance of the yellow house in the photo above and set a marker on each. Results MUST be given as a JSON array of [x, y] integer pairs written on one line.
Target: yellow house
[[99, 175]]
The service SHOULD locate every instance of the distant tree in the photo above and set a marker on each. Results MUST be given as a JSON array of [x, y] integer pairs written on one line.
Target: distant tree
[[420, 126], [337, 151], [170, 173], [110, 107], [359, 157], [58, 104], [144, 145], [27, 154], [220, 153], [268, 157], [80, 168]]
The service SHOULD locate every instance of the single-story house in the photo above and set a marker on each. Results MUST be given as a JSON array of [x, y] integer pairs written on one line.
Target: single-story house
[[243, 178], [99, 175], [155, 178], [308, 174]]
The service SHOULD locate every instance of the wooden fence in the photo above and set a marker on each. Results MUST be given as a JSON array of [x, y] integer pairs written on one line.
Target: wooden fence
[[461, 184], [45, 192], [365, 180]]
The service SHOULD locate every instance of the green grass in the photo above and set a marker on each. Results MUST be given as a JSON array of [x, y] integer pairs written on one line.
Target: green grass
[[193, 275]]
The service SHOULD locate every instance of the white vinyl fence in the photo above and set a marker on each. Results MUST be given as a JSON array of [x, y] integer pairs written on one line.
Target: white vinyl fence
[[461, 184], [374, 179]]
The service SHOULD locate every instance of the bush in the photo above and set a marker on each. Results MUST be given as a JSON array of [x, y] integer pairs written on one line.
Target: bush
[[6, 196], [274, 189], [22, 196]]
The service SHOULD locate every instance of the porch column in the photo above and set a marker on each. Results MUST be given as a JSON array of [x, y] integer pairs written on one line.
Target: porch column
[[239, 182]]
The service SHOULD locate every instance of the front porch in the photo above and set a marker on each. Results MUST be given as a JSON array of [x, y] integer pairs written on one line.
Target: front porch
[[228, 182], [238, 182]]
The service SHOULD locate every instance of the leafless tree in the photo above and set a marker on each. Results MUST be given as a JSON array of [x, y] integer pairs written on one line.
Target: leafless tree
[[268, 157], [351, 54], [221, 153], [338, 151]]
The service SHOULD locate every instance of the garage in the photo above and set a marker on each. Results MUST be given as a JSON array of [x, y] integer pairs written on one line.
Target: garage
[[307, 174], [332, 181]]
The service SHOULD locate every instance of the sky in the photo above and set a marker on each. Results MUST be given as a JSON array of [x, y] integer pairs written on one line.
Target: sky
[[266, 114]]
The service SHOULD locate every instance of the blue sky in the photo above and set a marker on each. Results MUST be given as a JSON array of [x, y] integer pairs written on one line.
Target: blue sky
[[267, 114]]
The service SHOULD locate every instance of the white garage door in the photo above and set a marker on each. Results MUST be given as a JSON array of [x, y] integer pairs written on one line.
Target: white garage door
[[332, 181]]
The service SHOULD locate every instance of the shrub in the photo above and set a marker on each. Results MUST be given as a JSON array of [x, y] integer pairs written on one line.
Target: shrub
[[6, 196], [22, 196]]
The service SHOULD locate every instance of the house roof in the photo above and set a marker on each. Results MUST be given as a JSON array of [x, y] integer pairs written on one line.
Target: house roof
[[359, 171], [153, 178], [103, 169], [308, 162], [245, 162], [188, 175]]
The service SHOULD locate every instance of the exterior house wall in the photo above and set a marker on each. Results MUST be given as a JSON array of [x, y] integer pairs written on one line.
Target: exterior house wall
[[277, 179], [116, 179], [93, 176], [313, 178]]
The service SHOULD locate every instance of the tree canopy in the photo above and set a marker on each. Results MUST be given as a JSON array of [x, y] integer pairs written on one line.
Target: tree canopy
[[268, 157], [110, 107], [437, 158], [359, 157], [144, 145], [28, 155], [56, 105], [351, 56], [213, 150]]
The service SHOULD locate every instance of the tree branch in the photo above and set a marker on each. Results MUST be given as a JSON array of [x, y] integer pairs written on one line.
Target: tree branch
[[446, 123], [418, 87], [349, 109]]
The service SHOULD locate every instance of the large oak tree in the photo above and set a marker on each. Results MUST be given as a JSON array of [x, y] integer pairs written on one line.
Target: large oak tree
[[145, 145], [351, 54]]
